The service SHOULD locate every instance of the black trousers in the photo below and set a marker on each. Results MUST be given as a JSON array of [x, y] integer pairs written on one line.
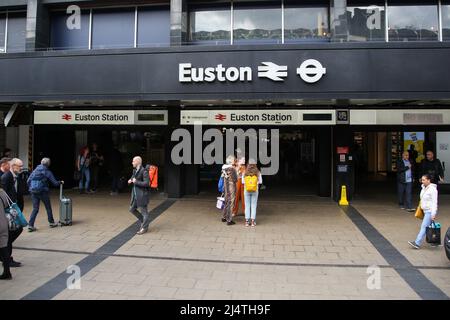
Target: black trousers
[[13, 235], [5, 259]]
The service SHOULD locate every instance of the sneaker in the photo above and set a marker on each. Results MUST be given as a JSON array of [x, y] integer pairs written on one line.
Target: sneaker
[[31, 229], [224, 220], [253, 223], [15, 264], [414, 244], [403, 208], [411, 210], [230, 223], [53, 225], [141, 232], [247, 224]]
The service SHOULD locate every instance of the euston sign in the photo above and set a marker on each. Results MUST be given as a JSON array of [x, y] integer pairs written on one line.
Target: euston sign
[[258, 117], [100, 117], [310, 71]]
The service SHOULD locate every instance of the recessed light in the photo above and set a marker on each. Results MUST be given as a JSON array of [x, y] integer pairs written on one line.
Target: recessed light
[[299, 104], [154, 105]]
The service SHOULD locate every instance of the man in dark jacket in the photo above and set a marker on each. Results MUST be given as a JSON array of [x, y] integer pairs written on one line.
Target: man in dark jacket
[[38, 185], [140, 194], [10, 182], [433, 167], [4, 167], [405, 178]]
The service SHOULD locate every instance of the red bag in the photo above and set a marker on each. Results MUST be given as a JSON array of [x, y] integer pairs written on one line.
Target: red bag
[[153, 175]]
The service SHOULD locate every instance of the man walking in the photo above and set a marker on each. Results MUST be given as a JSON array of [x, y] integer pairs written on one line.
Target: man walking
[[38, 185], [433, 167], [404, 182], [10, 184], [140, 194]]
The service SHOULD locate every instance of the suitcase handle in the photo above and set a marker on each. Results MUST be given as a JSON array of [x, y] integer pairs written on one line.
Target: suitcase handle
[[61, 183]]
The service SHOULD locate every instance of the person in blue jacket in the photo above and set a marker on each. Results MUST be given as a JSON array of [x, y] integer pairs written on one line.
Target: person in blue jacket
[[38, 185]]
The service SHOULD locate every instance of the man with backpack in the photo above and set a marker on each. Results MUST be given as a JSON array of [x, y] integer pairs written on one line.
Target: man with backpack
[[38, 185], [140, 194]]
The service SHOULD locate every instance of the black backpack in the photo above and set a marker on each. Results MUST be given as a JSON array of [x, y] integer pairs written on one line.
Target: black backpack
[[447, 243]]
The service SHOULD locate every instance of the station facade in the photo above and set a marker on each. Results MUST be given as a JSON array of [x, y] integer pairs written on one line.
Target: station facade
[[346, 85]]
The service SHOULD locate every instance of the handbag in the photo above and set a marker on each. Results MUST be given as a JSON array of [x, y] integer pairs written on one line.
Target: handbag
[[14, 215], [220, 202], [419, 212], [433, 233]]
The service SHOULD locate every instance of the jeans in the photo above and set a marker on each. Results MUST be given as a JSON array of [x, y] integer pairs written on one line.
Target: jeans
[[86, 176], [143, 216], [95, 170], [115, 183], [404, 194], [425, 223], [35, 199], [251, 201]]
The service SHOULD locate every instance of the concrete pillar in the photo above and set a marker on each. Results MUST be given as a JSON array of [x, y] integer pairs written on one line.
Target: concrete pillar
[[38, 26], [324, 155], [174, 181], [178, 22]]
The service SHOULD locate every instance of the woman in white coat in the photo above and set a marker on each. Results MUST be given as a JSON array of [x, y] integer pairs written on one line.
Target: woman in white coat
[[429, 205]]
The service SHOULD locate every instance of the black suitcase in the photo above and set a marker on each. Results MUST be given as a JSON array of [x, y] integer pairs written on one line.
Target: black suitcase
[[447, 243], [65, 209]]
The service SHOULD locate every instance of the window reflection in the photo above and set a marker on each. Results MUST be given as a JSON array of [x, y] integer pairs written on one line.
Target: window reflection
[[257, 24], [16, 31], [306, 22], [366, 21], [413, 22], [113, 28], [446, 22], [210, 25], [2, 31], [61, 37]]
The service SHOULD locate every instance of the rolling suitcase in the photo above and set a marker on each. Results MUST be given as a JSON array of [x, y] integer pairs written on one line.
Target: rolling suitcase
[[65, 209]]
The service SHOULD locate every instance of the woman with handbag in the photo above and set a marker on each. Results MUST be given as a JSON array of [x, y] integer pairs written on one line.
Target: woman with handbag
[[83, 166], [429, 205], [4, 235]]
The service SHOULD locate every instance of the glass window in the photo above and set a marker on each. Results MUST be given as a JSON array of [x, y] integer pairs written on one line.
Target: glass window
[[307, 21], [16, 31], [446, 22], [257, 23], [413, 21], [153, 27], [366, 20], [2, 31], [64, 34], [113, 28], [208, 25]]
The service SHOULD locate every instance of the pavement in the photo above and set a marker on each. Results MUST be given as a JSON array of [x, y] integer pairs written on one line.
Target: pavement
[[303, 247]]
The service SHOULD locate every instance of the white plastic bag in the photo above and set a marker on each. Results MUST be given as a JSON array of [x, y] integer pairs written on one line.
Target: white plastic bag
[[220, 202]]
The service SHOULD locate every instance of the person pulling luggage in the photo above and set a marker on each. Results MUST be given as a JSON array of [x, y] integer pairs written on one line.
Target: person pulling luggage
[[38, 185]]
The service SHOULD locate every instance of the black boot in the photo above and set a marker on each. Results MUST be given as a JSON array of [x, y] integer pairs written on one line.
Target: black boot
[[5, 257]]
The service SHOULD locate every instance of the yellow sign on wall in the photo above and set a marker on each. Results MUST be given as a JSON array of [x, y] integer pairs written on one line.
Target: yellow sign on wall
[[413, 142]]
